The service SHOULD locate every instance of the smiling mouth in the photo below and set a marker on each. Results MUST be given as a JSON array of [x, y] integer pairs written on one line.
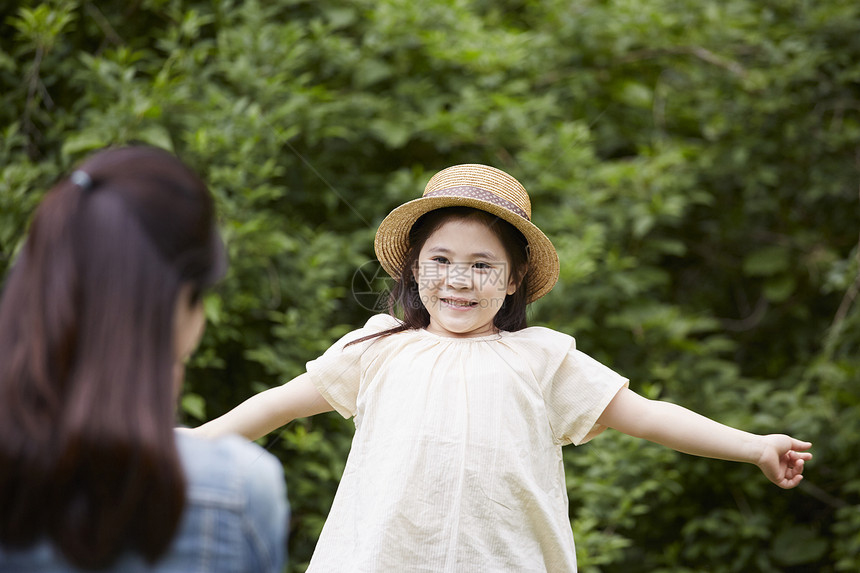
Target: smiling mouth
[[459, 303]]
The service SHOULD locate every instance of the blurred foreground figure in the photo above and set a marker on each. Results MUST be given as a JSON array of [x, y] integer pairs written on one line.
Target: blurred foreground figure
[[97, 318]]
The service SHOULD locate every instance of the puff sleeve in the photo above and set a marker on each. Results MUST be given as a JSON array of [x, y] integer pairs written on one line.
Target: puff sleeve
[[337, 374], [576, 388]]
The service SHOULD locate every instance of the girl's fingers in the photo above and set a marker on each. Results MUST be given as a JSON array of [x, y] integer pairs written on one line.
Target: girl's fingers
[[800, 445], [792, 455], [798, 467]]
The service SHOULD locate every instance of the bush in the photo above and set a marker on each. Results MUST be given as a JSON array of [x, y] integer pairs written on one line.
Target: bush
[[694, 162]]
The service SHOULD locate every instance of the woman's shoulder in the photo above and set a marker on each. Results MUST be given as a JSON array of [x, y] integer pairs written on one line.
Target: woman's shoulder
[[231, 465], [238, 486]]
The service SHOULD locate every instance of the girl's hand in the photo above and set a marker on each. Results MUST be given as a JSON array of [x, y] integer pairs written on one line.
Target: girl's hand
[[782, 459]]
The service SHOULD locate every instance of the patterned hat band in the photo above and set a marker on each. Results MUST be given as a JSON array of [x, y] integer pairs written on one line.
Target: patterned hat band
[[478, 193]]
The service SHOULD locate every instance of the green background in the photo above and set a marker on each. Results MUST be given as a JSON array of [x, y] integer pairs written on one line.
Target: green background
[[695, 163]]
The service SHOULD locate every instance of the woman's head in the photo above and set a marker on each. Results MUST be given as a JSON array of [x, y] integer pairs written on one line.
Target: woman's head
[[89, 337], [464, 256]]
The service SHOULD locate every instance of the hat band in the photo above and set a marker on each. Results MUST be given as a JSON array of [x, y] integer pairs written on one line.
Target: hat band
[[478, 193]]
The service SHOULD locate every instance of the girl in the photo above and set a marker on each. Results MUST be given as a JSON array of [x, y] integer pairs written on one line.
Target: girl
[[97, 318], [461, 410]]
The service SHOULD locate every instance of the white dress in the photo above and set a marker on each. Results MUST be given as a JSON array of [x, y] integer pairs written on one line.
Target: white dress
[[456, 462]]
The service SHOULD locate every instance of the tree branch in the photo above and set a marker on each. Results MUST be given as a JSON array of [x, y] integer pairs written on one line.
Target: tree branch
[[699, 52]]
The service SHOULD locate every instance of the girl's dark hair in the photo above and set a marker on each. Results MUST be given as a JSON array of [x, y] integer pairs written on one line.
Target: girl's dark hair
[[88, 458], [404, 295]]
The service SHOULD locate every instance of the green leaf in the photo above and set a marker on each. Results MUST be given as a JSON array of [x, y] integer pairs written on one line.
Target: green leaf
[[798, 545], [767, 261], [194, 405], [82, 142]]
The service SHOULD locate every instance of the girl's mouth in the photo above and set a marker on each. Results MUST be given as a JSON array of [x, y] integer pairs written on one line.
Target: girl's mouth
[[458, 303]]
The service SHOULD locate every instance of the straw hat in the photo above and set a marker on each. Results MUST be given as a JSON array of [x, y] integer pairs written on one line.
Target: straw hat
[[482, 187]]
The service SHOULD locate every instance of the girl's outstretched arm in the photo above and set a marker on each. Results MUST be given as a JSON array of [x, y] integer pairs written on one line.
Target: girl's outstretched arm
[[269, 410], [779, 457]]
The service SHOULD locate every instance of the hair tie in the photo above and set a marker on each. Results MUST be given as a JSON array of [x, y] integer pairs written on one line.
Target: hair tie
[[82, 179]]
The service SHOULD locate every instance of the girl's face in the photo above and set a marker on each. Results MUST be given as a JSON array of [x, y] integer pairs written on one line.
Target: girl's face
[[463, 275]]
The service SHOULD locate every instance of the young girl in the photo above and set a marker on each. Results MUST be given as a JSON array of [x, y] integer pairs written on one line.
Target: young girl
[[460, 410]]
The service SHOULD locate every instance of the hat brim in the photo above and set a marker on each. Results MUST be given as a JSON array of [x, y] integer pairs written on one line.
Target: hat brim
[[392, 239]]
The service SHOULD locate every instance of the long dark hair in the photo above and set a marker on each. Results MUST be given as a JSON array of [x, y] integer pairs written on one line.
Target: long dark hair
[[405, 297], [88, 457]]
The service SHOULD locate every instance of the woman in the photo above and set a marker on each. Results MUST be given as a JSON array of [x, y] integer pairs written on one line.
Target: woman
[[97, 318]]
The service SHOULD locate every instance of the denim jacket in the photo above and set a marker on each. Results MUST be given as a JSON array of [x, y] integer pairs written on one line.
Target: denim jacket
[[235, 517]]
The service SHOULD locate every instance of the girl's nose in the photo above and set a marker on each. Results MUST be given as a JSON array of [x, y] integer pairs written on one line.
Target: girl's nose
[[459, 276]]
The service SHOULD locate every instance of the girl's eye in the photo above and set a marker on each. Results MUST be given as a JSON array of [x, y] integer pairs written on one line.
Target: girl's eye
[[440, 259], [483, 266]]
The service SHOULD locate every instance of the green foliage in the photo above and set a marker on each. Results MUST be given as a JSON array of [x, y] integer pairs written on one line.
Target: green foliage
[[695, 164]]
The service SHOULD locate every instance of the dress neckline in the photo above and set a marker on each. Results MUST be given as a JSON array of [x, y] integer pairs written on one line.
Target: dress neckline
[[441, 337]]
